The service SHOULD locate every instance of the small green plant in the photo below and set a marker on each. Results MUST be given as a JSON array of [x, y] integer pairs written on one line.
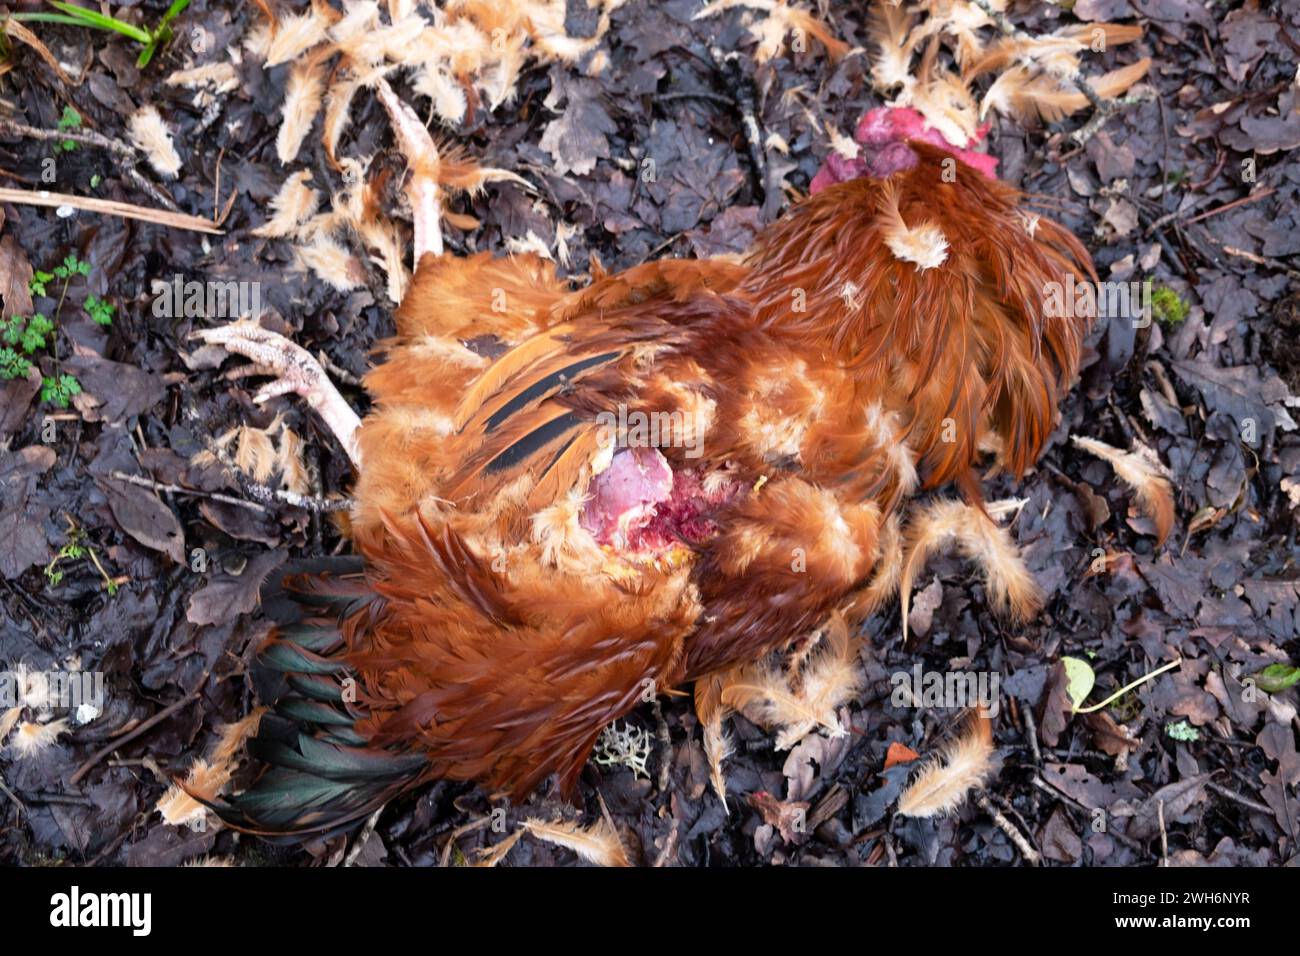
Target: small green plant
[[72, 266], [1080, 679], [37, 283], [70, 119], [76, 549], [59, 389], [72, 15], [1182, 730], [1167, 307], [100, 312], [24, 337]]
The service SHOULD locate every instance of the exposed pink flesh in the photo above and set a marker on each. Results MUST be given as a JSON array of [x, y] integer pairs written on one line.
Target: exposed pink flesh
[[638, 504], [626, 492], [883, 134]]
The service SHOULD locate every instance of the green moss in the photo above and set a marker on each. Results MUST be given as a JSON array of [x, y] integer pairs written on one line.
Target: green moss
[[1167, 307]]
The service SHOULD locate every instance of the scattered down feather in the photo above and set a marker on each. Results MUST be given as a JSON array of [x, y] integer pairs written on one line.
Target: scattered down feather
[[207, 777], [718, 746], [598, 843], [302, 99], [1142, 471], [797, 700], [293, 205], [7, 721], [152, 137], [219, 76], [1046, 97], [966, 763], [1011, 588], [778, 22], [31, 737]]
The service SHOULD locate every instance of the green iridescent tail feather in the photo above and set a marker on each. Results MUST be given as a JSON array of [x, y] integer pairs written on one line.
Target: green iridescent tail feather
[[320, 777]]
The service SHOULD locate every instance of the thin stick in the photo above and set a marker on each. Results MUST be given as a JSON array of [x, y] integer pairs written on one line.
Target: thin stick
[[360, 842], [1246, 802], [177, 489], [1031, 732], [1006, 826], [1043, 784], [109, 207], [1164, 836], [1261, 261], [22, 807], [670, 844], [1227, 206], [89, 137], [263, 494]]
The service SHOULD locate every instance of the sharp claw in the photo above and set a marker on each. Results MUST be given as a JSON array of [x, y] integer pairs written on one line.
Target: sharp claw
[[281, 386], [295, 371]]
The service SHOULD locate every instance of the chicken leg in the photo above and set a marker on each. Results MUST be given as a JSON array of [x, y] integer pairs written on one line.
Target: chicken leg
[[294, 370]]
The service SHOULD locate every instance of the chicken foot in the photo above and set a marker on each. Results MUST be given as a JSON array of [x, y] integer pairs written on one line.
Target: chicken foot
[[295, 371]]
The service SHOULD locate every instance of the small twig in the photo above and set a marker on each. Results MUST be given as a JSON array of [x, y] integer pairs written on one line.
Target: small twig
[[1042, 784], [1237, 798], [670, 844], [746, 104], [665, 747], [261, 493], [1164, 836], [88, 137], [456, 834], [1262, 261], [176, 489], [1031, 734], [1236, 203], [365, 834], [1104, 111], [109, 207], [1006, 826], [1221, 159], [4, 788], [692, 95]]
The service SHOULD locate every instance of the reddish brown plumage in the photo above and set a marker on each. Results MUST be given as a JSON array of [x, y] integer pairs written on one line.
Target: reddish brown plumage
[[825, 377]]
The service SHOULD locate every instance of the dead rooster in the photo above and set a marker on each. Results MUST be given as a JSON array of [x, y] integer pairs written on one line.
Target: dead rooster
[[533, 566]]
